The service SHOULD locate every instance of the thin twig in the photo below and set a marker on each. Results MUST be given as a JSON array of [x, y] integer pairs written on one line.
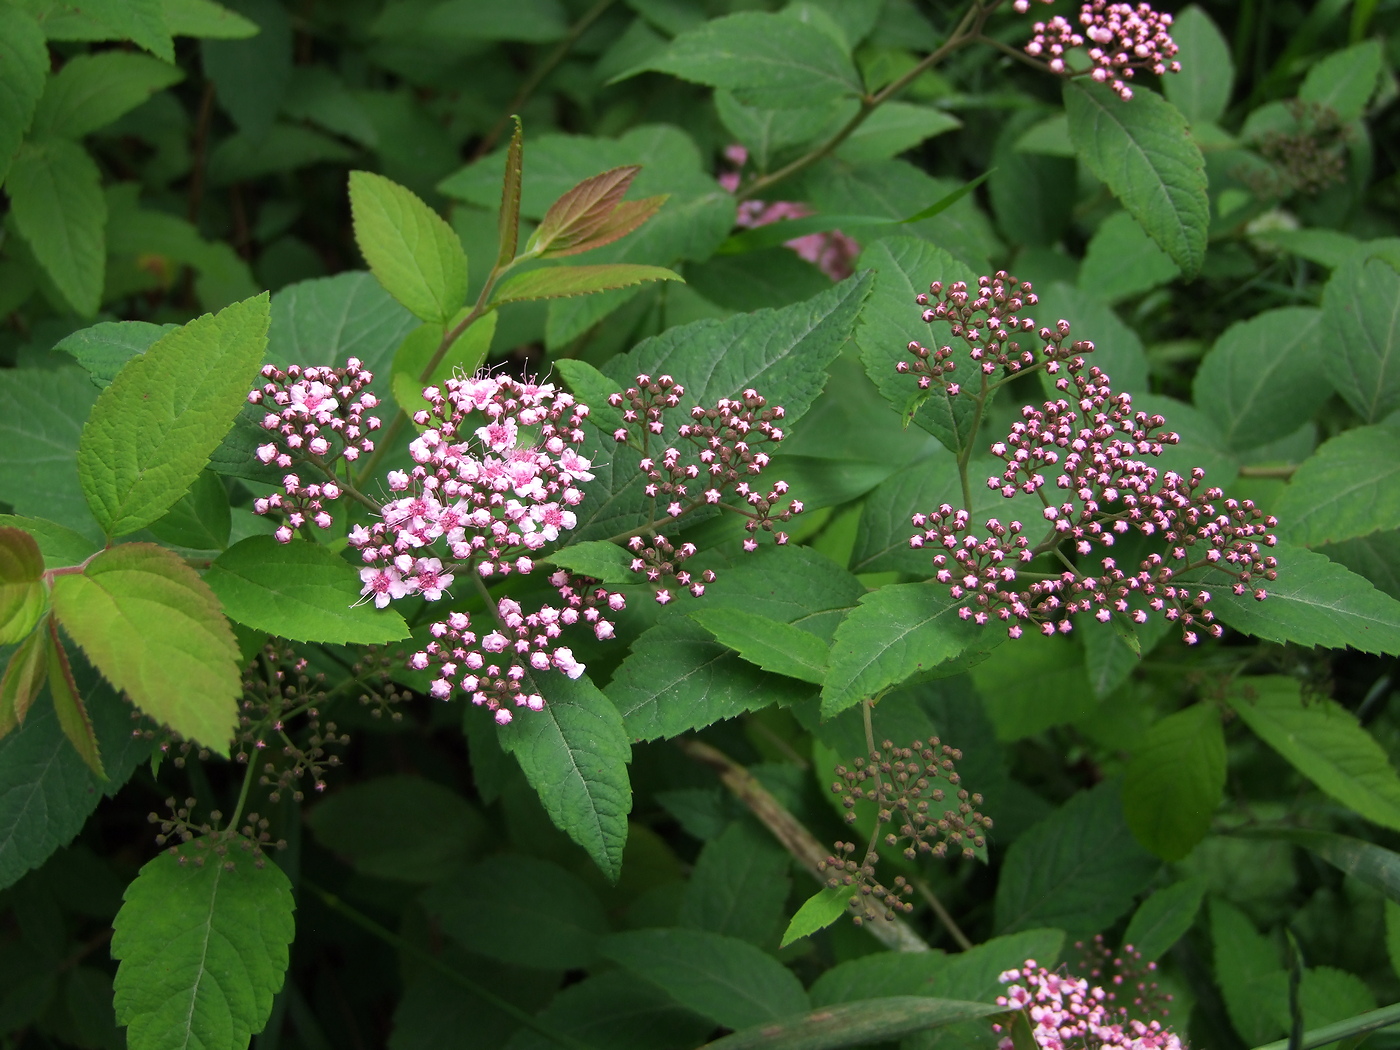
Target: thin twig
[[954, 930], [793, 836]]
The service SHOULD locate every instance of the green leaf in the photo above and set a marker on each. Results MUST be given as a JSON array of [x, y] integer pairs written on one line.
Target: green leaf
[[1361, 308], [783, 354], [1314, 601], [604, 561], [154, 630], [1202, 89], [1248, 972], [1324, 742], [46, 792], [23, 677], [904, 267], [200, 519], [889, 973], [24, 64], [1344, 81], [739, 885], [91, 91], [1163, 919], [894, 128], [771, 644], [678, 677], [607, 1009], [554, 282], [1374, 865], [1169, 815], [105, 347], [862, 1023], [464, 356], [251, 76], [592, 388], [723, 978], [556, 925], [41, 417], [1120, 261], [409, 247], [401, 827], [818, 912], [1056, 665], [1078, 869], [205, 19], [141, 21], [153, 429], [326, 320], [1349, 487], [1142, 151], [22, 596], [767, 60], [60, 546], [301, 591], [202, 943], [898, 633], [574, 754], [1260, 379], [68, 705], [57, 204], [508, 220], [285, 147]]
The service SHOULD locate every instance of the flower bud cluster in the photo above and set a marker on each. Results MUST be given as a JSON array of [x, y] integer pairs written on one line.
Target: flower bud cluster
[[1122, 37], [721, 450], [1068, 1013], [987, 320], [1094, 448], [912, 812], [318, 417]]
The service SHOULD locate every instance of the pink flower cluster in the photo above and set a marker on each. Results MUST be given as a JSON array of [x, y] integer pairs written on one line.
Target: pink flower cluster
[[719, 450], [1067, 1013], [318, 417], [1123, 37], [831, 251], [1095, 446], [496, 472]]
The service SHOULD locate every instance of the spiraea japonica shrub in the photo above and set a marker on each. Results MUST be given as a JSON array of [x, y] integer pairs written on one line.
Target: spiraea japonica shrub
[[639, 525]]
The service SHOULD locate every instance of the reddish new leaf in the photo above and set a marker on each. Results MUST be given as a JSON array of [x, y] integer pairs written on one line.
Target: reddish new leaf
[[23, 678], [625, 218], [72, 713]]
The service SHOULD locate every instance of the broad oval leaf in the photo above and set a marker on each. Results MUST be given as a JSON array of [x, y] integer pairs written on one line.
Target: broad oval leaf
[[818, 912], [299, 590], [1078, 869], [1324, 742], [575, 753], [154, 428], [862, 1023], [1170, 812], [202, 943], [727, 980], [91, 91], [1260, 379], [57, 204], [24, 65], [1202, 89], [1361, 305], [1345, 80], [899, 632], [771, 644], [769, 60], [1163, 919], [154, 629], [1349, 487], [1314, 601], [1142, 151], [414, 253]]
